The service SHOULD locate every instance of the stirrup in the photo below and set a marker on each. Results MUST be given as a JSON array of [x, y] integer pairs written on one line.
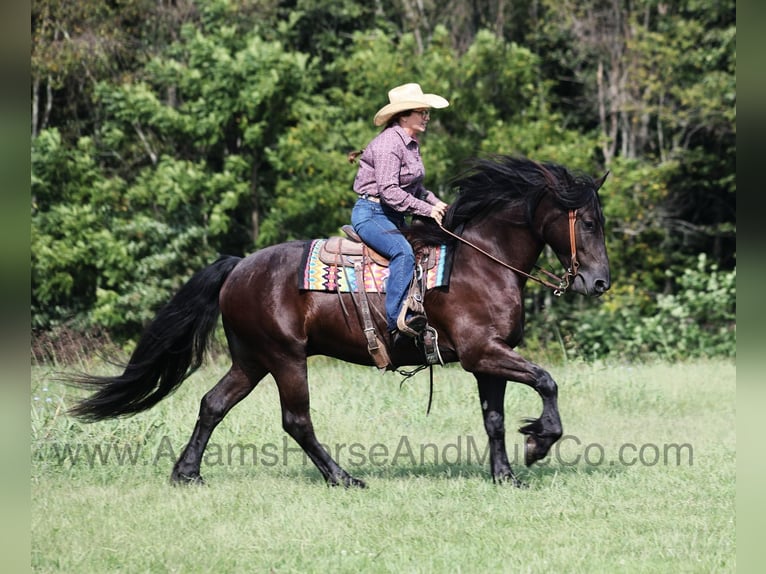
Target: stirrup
[[430, 339], [413, 326]]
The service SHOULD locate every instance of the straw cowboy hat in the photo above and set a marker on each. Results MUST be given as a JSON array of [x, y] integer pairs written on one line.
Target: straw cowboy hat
[[407, 97]]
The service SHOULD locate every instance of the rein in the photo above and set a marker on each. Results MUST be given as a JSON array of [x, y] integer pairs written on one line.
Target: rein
[[563, 282]]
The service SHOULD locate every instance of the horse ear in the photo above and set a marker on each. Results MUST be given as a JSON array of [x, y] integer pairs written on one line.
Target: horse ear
[[600, 181]]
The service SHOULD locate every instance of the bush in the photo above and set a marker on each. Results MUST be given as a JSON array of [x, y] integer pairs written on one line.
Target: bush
[[698, 320]]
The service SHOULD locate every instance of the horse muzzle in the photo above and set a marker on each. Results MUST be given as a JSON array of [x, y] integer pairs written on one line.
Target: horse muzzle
[[590, 284]]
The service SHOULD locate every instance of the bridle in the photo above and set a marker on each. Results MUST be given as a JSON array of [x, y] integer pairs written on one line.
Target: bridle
[[563, 282]]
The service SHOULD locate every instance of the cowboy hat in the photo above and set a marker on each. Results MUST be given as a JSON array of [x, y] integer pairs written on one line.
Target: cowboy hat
[[407, 97]]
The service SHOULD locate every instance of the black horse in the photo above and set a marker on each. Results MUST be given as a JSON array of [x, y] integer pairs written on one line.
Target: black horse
[[506, 211]]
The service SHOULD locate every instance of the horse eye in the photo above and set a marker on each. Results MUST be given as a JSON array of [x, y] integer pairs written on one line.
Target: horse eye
[[589, 225]]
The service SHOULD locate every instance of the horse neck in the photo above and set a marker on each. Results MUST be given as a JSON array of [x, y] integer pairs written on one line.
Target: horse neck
[[516, 245]]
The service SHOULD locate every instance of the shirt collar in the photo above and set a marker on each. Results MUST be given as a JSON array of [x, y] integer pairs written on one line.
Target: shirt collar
[[406, 138]]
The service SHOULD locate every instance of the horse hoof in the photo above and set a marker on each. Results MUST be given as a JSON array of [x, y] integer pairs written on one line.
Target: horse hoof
[[352, 482], [179, 478], [510, 479], [346, 481], [530, 451]]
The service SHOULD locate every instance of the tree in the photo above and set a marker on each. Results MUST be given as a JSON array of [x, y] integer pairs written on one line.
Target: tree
[[165, 180], [660, 79]]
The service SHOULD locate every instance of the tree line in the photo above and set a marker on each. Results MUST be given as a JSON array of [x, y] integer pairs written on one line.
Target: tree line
[[166, 132]]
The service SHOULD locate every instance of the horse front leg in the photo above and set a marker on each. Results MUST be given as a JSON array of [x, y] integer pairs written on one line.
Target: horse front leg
[[497, 362], [542, 432], [492, 397]]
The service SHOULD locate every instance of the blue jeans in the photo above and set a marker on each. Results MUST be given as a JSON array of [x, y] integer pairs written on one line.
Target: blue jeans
[[378, 226]]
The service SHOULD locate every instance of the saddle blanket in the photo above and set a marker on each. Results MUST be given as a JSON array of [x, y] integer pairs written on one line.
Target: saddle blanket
[[316, 275]]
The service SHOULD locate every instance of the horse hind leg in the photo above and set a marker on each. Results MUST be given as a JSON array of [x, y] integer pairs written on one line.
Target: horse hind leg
[[292, 382], [232, 388]]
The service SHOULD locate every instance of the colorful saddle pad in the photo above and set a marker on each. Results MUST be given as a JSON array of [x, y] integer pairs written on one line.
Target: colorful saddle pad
[[318, 275]]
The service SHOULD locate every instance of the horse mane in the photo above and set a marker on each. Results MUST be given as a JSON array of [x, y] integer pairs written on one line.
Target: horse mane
[[497, 182]]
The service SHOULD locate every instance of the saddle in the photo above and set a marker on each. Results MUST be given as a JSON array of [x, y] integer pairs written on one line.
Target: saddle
[[351, 251], [348, 252]]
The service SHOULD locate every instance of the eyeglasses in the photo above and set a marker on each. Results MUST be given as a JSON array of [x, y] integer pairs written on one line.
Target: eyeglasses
[[425, 114]]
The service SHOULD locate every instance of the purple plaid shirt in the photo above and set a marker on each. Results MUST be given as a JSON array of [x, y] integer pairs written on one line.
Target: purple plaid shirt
[[390, 168]]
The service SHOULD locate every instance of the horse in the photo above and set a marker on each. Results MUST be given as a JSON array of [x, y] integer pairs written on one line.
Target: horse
[[507, 209]]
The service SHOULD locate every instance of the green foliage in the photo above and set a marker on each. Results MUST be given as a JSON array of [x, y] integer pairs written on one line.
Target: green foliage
[[637, 233], [114, 251], [66, 227], [496, 80], [313, 184], [697, 320], [113, 238]]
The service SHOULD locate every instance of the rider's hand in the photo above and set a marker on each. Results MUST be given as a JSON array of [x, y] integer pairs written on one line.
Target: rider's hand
[[438, 211]]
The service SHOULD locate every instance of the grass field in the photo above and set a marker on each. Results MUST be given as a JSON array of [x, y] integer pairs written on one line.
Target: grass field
[[642, 481]]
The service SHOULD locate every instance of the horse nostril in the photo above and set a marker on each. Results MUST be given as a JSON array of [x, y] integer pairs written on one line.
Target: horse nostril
[[602, 286]]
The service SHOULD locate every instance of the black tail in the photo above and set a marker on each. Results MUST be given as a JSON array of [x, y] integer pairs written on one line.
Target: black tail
[[171, 349]]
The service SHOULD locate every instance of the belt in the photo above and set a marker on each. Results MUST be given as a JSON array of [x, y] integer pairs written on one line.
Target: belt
[[373, 198]]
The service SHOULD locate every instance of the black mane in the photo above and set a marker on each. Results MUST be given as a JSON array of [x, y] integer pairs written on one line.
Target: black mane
[[500, 183]]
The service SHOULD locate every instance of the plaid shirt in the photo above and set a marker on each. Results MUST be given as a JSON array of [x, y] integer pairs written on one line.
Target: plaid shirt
[[391, 168]]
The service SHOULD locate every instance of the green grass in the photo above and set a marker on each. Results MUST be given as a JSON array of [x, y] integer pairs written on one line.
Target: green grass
[[439, 512]]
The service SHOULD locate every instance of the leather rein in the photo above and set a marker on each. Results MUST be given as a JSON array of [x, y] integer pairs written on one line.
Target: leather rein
[[563, 282]]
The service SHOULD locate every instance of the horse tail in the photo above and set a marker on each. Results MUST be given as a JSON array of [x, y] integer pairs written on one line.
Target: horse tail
[[171, 348]]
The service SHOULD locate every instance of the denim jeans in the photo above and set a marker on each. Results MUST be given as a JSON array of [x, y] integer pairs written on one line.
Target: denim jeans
[[378, 226]]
